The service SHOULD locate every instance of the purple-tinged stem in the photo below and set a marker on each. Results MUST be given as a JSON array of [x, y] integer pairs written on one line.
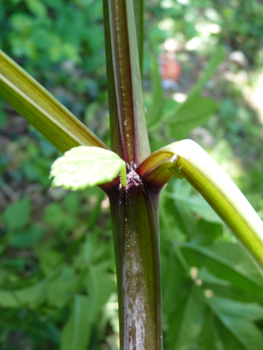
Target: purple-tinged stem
[[127, 80], [136, 235]]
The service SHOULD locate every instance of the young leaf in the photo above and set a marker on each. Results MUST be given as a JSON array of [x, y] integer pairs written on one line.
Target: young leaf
[[85, 166]]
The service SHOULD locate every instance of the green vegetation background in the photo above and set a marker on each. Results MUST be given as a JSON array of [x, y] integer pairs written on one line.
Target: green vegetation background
[[57, 273]]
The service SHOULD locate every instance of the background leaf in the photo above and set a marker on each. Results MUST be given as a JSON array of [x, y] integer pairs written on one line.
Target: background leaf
[[186, 322], [191, 114], [196, 109], [17, 215], [30, 296], [236, 318], [77, 330], [27, 238], [229, 262]]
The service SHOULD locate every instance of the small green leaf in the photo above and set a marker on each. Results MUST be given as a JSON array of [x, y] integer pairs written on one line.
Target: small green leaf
[[26, 238], [85, 166], [59, 218], [37, 8], [192, 113], [17, 215], [61, 288], [30, 296]]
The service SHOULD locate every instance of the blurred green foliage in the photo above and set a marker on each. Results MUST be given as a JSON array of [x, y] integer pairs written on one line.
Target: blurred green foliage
[[48, 32], [57, 269]]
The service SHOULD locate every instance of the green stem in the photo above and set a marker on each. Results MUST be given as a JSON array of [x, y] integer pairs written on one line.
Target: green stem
[[41, 109], [135, 226], [186, 159]]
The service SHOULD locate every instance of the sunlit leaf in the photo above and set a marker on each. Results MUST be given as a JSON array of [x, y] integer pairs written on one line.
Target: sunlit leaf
[[84, 166]]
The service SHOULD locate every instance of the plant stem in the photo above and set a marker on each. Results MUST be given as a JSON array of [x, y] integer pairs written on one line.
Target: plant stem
[[116, 142], [136, 235], [41, 109], [127, 79], [134, 210], [186, 159]]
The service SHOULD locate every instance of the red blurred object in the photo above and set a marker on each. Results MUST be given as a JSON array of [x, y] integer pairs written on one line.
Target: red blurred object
[[169, 67]]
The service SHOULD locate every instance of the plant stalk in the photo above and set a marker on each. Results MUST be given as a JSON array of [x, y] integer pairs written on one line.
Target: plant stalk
[[41, 109], [124, 66], [134, 214]]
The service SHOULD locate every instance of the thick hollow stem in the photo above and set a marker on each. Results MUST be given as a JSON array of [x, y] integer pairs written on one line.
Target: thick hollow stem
[[135, 225], [123, 65]]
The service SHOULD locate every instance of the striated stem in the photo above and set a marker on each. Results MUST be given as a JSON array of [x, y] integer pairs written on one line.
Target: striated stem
[[41, 109], [134, 214], [116, 142], [127, 79], [186, 159]]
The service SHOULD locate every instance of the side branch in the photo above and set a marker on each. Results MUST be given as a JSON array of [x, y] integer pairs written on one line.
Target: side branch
[[41, 109], [187, 159]]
